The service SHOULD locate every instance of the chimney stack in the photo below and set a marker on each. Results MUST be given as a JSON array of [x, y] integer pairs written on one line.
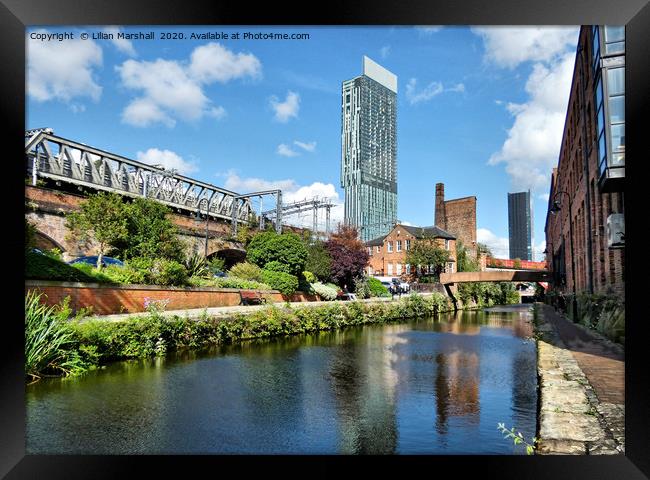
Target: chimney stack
[[439, 219]]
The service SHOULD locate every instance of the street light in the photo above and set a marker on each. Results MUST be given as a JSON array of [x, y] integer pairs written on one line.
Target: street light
[[207, 221], [554, 209]]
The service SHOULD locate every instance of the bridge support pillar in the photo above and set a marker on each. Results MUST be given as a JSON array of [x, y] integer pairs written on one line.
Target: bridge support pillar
[[450, 288]]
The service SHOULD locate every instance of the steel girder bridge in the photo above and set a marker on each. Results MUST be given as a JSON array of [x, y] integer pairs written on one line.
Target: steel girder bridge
[[62, 160]]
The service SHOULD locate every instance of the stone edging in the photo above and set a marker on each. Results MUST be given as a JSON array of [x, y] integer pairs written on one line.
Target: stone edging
[[571, 419]]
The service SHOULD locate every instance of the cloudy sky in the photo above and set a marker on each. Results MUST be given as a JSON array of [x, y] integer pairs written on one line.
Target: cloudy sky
[[479, 109]]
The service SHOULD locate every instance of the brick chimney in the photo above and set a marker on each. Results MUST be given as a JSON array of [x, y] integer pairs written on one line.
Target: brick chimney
[[440, 218]]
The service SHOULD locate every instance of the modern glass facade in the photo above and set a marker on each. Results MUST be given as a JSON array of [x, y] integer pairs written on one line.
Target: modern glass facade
[[609, 100], [369, 150], [520, 225]]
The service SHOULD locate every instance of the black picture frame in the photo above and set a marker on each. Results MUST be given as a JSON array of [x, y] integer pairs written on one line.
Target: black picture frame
[[15, 15]]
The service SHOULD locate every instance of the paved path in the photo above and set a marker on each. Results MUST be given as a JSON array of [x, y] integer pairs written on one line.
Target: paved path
[[196, 313], [603, 364]]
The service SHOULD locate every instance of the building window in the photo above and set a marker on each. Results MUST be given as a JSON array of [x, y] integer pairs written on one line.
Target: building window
[[446, 244], [378, 249], [450, 267], [408, 267], [370, 251], [408, 245], [390, 269], [390, 247], [399, 245], [399, 269]]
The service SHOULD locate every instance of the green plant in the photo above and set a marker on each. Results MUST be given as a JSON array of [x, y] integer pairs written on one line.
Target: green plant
[[286, 248], [42, 267], [49, 343], [30, 235], [168, 272], [319, 261], [309, 277], [326, 292], [217, 265], [246, 271], [361, 287], [275, 266], [287, 284], [517, 438], [197, 266], [426, 252], [377, 289]]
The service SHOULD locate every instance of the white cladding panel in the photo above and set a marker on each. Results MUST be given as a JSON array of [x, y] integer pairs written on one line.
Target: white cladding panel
[[380, 74]]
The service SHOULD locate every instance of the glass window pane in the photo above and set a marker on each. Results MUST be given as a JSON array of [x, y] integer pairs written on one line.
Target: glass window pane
[[617, 109], [601, 145], [618, 47], [601, 120], [599, 93], [614, 34], [616, 81], [618, 137], [618, 160]]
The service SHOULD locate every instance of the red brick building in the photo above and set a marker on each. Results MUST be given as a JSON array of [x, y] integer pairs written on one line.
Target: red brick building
[[585, 230], [457, 216], [388, 254]]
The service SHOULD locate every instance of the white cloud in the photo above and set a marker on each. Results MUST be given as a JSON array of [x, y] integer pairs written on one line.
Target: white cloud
[[384, 51], [428, 92], [544, 196], [173, 89], [498, 245], [309, 146], [511, 46], [287, 109], [533, 142], [285, 151], [168, 159], [291, 192], [62, 70], [214, 62], [538, 251], [123, 45], [428, 30]]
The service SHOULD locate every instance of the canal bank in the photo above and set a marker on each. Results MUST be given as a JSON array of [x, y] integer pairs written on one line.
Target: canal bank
[[581, 388]]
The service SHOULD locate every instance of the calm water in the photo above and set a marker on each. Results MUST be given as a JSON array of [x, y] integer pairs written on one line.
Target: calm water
[[434, 386]]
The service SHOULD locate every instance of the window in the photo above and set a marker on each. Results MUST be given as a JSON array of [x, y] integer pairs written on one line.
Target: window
[[446, 244], [399, 245], [370, 251], [408, 267], [390, 269], [450, 267], [378, 249], [408, 245], [390, 247], [399, 269]]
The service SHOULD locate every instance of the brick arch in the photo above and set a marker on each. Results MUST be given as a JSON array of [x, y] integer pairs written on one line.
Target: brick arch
[[43, 241], [231, 256]]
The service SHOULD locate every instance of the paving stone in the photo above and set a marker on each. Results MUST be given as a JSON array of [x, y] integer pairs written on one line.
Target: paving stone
[[570, 426], [603, 447]]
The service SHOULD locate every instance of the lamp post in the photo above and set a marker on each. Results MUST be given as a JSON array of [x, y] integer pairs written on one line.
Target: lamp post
[[554, 209], [207, 221]]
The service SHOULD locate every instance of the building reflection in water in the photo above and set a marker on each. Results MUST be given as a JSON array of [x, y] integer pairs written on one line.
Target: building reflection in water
[[364, 376]]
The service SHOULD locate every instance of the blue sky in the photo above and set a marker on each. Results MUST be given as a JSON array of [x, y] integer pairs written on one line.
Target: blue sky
[[479, 109]]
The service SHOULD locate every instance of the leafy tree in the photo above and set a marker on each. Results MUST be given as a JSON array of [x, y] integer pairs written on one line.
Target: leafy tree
[[319, 261], [30, 235], [286, 248], [246, 271], [426, 252], [464, 261], [102, 217], [349, 255], [483, 248], [151, 234]]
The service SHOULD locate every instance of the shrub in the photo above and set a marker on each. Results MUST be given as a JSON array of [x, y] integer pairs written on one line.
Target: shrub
[[228, 282], [217, 265], [246, 271], [286, 248], [361, 287], [326, 292], [275, 266], [287, 284], [126, 275], [197, 266], [309, 277], [168, 272], [49, 343], [377, 289]]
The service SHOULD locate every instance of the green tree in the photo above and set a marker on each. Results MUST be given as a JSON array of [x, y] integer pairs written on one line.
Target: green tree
[[464, 261], [319, 261], [483, 248], [102, 217], [425, 252], [286, 248], [151, 234]]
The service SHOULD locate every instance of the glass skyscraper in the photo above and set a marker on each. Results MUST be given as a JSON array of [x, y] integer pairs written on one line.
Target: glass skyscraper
[[369, 150], [520, 225]]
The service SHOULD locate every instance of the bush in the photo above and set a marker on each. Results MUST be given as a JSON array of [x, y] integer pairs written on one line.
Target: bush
[[326, 292], [361, 287], [197, 266], [287, 284], [229, 282], [246, 271], [217, 265], [286, 248], [275, 266], [309, 277], [168, 272], [377, 289], [125, 275]]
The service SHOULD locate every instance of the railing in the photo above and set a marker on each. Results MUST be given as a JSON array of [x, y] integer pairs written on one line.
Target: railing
[[63, 160]]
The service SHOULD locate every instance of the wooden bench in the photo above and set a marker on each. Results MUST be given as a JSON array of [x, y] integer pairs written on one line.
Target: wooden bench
[[251, 297]]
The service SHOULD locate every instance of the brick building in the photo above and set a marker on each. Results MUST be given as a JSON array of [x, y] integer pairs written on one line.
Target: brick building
[[457, 216], [584, 229], [388, 253]]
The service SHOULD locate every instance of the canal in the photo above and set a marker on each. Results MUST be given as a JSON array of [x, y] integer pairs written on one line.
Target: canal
[[428, 386]]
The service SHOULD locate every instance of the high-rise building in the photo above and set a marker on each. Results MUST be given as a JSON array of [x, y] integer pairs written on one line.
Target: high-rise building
[[369, 150], [520, 225]]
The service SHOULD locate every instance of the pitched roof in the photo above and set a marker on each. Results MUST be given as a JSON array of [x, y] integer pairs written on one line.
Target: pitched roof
[[376, 242], [424, 232]]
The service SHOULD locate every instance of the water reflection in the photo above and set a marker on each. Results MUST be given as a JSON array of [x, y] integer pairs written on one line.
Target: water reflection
[[429, 386]]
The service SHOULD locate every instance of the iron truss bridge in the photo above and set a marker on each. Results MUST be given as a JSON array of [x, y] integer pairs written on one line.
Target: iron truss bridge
[[63, 160]]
